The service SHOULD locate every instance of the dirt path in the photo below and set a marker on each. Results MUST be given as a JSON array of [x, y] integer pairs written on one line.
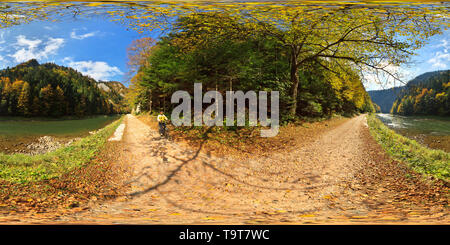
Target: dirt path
[[174, 185]]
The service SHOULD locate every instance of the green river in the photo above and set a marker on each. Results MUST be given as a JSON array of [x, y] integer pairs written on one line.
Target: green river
[[16, 133], [431, 131]]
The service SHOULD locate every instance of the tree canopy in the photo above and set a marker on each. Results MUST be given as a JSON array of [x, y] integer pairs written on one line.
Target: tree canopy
[[344, 38]]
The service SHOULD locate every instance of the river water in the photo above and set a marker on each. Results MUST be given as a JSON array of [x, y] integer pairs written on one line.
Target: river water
[[16, 133], [431, 131]]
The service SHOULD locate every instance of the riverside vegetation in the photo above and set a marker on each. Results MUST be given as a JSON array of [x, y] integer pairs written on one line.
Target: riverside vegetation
[[63, 180], [20, 168], [420, 158]]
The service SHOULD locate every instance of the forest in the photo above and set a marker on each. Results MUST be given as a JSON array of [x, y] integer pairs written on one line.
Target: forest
[[229, 62], [47, 90], [428, 95]]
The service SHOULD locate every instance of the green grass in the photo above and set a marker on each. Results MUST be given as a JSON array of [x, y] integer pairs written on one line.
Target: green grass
[[20, 168], [421, 159]]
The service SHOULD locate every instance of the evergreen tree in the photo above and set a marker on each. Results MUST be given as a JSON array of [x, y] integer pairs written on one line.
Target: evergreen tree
[[59, 106], [47, 97], [36, 107]]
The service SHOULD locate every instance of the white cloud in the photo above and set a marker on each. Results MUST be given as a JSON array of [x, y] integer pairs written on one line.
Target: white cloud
[[82, 36], [2, 40], [31, 44], [98, 70], [440, 60], [382, 80], [2, 37], [35, 49], [53, 45], [3, 62], [444, 44]]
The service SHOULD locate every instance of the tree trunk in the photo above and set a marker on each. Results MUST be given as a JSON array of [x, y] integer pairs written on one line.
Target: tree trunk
[[294, 84]]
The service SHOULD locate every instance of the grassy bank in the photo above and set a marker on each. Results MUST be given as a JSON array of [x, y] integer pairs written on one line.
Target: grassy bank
[[421, 159], [20, 168]]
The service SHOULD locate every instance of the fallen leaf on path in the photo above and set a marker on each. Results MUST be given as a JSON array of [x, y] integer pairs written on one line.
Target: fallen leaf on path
[[213, 218], [359, 217], [307, 215]]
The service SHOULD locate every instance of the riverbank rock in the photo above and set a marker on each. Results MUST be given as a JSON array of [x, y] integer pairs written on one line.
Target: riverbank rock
[[46, 144], [43, 145]]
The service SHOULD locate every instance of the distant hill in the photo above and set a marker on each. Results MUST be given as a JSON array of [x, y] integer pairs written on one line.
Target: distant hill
[[428, 95], [385, 98], [115, 91], [50, 90]]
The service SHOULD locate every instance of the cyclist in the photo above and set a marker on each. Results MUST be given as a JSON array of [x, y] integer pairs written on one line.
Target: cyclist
[[162, 119]]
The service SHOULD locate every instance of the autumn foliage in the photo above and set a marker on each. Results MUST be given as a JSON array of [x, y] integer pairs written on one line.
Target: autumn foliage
[[431, 97], [49, 90]]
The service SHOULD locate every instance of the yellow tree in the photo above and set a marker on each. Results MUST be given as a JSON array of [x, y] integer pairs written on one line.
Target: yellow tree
[[138, 52], [5, 85], [47, 95], [16, 89], [371, 36], [23, 104]]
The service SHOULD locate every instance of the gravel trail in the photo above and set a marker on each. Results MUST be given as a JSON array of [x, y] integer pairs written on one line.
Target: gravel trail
[[318, 183]]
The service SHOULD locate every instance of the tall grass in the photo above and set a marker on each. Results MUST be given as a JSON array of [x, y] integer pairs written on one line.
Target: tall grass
[[21, 168], [420, 158]]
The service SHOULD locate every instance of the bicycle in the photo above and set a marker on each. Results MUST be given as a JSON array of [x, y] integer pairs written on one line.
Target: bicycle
[[164, 131]]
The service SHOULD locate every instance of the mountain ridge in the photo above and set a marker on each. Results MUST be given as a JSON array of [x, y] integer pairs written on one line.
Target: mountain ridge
[[48, 89], [385, 98]]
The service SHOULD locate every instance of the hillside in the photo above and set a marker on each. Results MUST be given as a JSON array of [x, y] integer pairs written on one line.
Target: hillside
[[426, 95], [50, 90], [385, 98], [115, 92]]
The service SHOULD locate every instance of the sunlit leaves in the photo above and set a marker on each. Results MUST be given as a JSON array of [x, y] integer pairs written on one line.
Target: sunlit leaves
[[370, 34]]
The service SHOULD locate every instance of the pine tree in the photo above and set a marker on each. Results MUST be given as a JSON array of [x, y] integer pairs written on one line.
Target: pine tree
[[36, 107], [80, 109], [60, 104]]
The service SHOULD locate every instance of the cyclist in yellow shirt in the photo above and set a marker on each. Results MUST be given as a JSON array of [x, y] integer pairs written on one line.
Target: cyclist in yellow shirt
[[162, 119]]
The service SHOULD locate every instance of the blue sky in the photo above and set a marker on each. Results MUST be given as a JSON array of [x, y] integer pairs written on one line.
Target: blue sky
[[435, 55], [94, 46], [97, 47]]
